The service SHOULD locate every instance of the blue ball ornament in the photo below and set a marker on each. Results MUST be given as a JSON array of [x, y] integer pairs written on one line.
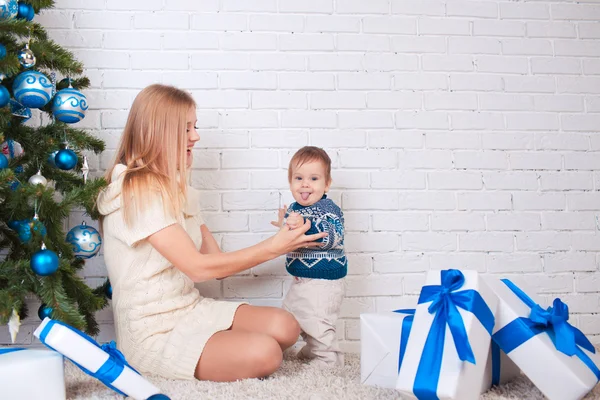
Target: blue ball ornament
[[8, 9], [109, 291], [3, 161], [85, 240], [158, 397], [69, 105], [44, 262], [51, 157], [45, 312], [14, 224], [26, 226], [65, 159], [4, 96], [2, 51], [25, 11], [32, 89], [24, 232]]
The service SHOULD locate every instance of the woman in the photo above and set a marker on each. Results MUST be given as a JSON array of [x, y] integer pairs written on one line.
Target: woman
[[157, 246]]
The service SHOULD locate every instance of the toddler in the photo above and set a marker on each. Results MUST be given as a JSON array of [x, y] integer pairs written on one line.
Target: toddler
[[317, 290]]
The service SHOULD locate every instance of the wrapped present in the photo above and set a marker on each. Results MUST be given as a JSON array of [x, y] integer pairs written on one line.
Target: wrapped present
[[383, 341], [554, 355], [104, 363], [27, 374], [449, 344]]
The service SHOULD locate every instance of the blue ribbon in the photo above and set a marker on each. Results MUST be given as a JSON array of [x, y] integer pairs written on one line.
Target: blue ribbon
[[7, 350], [112, 367], [553, 321], [445, 300], [405, 332], [495, 364]]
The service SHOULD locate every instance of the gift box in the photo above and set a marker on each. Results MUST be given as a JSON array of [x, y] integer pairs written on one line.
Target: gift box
[[449, 344], [554, 355], [105, 362], [27, 374], [383, 340]]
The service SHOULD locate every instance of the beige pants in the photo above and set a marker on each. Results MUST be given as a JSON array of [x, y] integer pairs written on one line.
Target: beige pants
[[316, 305]]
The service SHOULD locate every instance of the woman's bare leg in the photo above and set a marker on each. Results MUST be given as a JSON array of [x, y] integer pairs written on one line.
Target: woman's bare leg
[[271, 321], [232, 355]]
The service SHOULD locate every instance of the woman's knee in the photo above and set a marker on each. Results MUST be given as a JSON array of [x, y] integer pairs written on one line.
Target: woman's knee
[[285, 328], [265, 355]]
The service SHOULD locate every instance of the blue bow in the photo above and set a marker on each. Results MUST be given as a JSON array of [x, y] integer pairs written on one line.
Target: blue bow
[[566, 338], [112, 367], [445, 300], [405, 332]]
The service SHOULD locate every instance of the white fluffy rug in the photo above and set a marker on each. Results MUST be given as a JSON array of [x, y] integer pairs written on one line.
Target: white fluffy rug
[[295, 381]]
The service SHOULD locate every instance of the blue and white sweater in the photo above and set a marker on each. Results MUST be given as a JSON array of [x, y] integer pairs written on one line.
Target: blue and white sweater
[[329, 261]]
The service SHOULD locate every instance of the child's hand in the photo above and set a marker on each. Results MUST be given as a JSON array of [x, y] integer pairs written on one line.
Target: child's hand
[[295, 220], [280, 216]]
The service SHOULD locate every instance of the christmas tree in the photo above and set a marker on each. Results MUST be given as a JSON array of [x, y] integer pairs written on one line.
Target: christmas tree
[[44, 175]]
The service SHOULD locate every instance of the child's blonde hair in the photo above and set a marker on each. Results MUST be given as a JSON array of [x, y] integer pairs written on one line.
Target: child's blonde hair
[[153, 147], [310, 154]]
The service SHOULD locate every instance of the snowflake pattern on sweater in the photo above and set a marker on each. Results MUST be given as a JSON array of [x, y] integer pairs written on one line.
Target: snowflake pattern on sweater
[[328, 261]]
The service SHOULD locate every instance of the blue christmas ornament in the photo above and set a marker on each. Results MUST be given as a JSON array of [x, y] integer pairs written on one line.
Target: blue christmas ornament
[[24, 233], [3, 161], [25, 11], [14, 224], [19, 110], [51, 158], [8, 9], [45, 311], [2, 51], [32, 89], [4, 96], [109, 291], [44, 262], [26, 226], [69, 105], [85, 239], [65, 159]]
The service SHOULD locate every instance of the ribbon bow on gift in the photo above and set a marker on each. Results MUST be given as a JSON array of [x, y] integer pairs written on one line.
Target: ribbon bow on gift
[[445, 300], [112, 367], [566, 338]]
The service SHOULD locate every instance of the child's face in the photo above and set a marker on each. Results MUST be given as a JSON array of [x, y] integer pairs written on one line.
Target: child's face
[[308, 183]]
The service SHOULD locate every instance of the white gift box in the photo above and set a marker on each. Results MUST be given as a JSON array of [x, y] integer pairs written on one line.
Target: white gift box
[[28, 374], [438, 370], [380, 338], [557, 375], [109, 367]]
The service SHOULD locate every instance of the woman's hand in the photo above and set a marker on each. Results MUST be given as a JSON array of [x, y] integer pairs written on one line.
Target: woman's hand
[[280, 217], [287, 239]]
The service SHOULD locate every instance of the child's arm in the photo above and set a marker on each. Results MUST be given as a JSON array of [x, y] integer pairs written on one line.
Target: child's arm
[[280, 217]]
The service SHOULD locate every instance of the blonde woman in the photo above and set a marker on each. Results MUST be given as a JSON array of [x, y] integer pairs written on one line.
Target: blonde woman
[[157, 246]]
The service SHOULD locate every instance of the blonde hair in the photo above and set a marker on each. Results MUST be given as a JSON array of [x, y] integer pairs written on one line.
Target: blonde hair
[[153, 148], [309, 154]]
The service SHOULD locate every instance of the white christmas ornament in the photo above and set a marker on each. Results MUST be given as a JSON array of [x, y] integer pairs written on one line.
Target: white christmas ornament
[[13, 325]]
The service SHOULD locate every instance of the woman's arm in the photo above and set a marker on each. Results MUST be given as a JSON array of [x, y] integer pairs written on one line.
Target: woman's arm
[[175, 245], [209, 244]]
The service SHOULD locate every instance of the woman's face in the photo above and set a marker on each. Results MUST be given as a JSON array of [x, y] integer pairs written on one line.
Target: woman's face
[[192, 135]]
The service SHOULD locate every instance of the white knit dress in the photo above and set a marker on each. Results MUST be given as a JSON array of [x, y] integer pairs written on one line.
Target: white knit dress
[[161, 320]]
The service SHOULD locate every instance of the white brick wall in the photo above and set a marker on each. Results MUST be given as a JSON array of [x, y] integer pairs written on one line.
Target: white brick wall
[[463, 134]]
